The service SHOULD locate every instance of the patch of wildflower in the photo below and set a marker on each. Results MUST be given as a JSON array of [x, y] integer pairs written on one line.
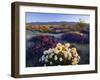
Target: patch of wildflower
[[62, 54]]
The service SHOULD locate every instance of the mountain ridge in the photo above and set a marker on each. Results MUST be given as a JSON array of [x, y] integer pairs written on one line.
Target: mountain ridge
[[52, 23]]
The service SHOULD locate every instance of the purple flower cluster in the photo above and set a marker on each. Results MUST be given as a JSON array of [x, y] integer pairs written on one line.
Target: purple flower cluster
[[38, 45]]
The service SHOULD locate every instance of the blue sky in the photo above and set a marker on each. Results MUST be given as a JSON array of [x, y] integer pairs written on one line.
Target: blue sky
[[52, 17]]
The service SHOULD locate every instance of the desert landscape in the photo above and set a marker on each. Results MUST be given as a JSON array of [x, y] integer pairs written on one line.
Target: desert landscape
[[41, 36]]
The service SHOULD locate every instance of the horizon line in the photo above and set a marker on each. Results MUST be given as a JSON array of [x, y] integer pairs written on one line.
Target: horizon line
[[54, 21]]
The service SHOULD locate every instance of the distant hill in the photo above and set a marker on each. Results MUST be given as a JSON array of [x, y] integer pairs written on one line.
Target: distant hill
[[52, 23]]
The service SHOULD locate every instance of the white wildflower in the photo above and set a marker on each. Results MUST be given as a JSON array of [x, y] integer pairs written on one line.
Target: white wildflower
[[51, 62], [50, 50], [67, 45], [51, 55], [42, 58], [46, 60], [47, 56], [59, 44], [69, 50], [45, 52], [60, 59], [55, 57]]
